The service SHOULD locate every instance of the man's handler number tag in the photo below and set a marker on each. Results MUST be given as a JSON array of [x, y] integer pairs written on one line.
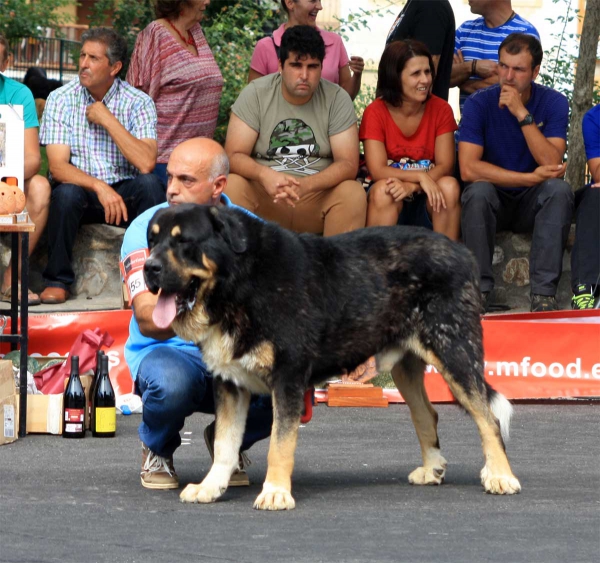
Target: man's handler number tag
[[132, 270]]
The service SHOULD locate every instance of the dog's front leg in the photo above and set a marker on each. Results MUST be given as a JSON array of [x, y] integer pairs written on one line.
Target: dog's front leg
[[231, 403], [277, 488]]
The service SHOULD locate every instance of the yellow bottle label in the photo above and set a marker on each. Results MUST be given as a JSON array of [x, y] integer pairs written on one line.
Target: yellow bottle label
[[106, 419]]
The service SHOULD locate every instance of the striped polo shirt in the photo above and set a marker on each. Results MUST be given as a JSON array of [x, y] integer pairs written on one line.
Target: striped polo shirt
[[477, 41]]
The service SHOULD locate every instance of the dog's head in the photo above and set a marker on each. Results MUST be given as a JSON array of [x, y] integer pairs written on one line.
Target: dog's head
[[188, 245]]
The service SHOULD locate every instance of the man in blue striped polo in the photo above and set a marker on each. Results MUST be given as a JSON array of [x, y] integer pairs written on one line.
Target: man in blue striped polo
[[477, 41]]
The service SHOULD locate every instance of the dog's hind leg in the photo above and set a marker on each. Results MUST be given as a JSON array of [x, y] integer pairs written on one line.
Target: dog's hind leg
[[473, 394], [277, 488], [232, 405], [408, 377]]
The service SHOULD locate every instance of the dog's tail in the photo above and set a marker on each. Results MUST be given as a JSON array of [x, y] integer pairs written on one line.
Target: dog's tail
[[502, 410]]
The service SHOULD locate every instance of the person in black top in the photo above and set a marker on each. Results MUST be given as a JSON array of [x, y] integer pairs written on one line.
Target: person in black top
[[431, 22]]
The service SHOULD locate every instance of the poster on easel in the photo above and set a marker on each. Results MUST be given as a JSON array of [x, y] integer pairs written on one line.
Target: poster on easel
[[12, 143]]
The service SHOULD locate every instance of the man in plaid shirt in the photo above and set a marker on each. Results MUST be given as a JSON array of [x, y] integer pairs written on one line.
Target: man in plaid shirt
[[100, 137]]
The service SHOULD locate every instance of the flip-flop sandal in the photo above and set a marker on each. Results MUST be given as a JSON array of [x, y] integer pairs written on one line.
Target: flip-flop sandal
[[32, 298]]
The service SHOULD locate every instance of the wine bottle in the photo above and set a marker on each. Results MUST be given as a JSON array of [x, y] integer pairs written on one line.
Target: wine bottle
[[74, 404], [92, 392], [104, 405]]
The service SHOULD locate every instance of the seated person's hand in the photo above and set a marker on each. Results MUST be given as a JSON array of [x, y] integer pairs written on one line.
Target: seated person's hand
[[486, 68], [97, 113], [400, 190], [115, 209], [276, 183], [434, 194], [510, 99], [357, 64], [458, 57], [548, 171]]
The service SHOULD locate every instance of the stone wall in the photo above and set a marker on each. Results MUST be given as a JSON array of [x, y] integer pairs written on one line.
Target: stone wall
[[97, 252], [96, 261]]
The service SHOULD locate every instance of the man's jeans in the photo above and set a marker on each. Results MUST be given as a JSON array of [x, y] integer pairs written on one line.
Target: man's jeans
[[545, 210], [175, 383], [71, 206]]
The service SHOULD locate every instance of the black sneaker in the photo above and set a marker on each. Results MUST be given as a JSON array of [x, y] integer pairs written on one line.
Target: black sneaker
[[543, 303], [239, 477], [583, 297]]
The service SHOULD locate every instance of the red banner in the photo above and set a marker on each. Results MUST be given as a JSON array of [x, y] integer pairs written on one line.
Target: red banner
[[527, 356], [54, 334]]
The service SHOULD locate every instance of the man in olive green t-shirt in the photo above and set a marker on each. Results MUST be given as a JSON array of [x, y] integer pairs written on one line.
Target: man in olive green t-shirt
[[292, 143]]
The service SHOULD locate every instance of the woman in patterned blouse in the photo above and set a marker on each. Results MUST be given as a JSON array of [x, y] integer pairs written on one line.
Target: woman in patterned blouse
[[174, 65]]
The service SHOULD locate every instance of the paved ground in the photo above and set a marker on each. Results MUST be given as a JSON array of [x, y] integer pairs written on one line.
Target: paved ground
[[81, 501]]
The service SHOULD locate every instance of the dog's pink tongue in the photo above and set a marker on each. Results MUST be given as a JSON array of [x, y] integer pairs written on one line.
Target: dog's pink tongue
[[164, 311]]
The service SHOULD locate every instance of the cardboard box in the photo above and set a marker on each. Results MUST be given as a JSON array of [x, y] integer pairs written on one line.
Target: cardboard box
[[45, 412], [9, 404]]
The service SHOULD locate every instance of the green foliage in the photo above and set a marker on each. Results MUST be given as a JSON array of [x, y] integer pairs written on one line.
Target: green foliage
[[232, 35], [20, 18], [560, 61], [128, 18]]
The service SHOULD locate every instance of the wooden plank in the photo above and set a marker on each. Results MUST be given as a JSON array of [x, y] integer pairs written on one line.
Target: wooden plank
[[381, 402], [356, 391]]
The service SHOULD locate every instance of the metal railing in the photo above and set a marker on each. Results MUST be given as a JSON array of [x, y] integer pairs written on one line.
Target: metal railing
[[58, 57]]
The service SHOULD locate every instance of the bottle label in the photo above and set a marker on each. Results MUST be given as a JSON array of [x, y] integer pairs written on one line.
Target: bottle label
[[105, 419], [74, 415]]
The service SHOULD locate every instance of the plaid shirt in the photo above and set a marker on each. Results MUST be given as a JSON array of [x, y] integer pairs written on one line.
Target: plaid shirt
[[92, 149]]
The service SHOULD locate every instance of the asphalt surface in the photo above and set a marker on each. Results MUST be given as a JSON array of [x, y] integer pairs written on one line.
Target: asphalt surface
[[81, 500]]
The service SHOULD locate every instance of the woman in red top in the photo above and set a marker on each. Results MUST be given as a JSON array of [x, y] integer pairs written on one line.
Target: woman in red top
[[408, 138]]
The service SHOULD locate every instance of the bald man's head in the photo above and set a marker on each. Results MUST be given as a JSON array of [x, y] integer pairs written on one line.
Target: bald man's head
[[197, 172]]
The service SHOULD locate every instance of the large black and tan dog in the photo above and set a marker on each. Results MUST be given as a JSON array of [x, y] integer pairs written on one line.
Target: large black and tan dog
[[276, 312]]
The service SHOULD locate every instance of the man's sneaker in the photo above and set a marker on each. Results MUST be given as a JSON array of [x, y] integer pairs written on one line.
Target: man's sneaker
[[583, 297], [239, 477], [157, 472], [541, 303]]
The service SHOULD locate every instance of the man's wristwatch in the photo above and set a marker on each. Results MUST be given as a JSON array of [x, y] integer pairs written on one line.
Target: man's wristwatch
[[528, 120]]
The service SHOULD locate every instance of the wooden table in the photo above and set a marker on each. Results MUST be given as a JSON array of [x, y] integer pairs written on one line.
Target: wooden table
[[17, 336]]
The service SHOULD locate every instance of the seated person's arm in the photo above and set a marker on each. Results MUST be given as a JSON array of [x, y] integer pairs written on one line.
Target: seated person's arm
[[462, 70], [445, 154], [544, 150], [351, 76], [253, 75], [471, 86], [141, 153], [594, 166], [473, 169], [143, 307], [33, 159], [344, 148], [63, 171], [239, 144]]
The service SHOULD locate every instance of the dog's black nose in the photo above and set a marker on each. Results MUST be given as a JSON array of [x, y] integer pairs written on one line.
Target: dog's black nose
[[152, 266]]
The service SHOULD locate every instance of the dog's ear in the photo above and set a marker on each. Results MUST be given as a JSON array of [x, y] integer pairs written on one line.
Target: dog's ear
[[230, 228]]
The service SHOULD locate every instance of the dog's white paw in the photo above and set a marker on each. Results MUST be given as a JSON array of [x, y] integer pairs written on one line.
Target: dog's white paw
[[272, 498], [427, 476], [432, 472], [200, 493], [499, 484]]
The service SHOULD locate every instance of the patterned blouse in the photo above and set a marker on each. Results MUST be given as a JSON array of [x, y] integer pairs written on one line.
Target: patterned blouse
[[185, 88]]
